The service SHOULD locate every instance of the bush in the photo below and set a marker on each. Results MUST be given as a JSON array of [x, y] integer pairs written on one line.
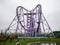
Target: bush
[[3, 38]]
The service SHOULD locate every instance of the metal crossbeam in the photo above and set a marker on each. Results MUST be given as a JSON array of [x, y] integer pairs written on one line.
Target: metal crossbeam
[[29, 13]]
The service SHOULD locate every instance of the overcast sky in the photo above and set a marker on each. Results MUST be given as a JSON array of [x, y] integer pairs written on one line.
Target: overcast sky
[[50, 9]]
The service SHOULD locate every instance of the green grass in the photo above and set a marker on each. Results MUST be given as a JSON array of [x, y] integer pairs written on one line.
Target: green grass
[[24, 41]]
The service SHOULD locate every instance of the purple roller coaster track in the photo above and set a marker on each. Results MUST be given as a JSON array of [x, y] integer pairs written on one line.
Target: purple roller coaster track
[[30, 23]]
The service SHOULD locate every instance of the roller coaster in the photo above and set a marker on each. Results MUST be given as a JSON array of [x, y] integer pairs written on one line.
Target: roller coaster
[[30, 23]]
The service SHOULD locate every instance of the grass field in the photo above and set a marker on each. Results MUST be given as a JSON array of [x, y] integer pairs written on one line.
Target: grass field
[[25, 41]]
